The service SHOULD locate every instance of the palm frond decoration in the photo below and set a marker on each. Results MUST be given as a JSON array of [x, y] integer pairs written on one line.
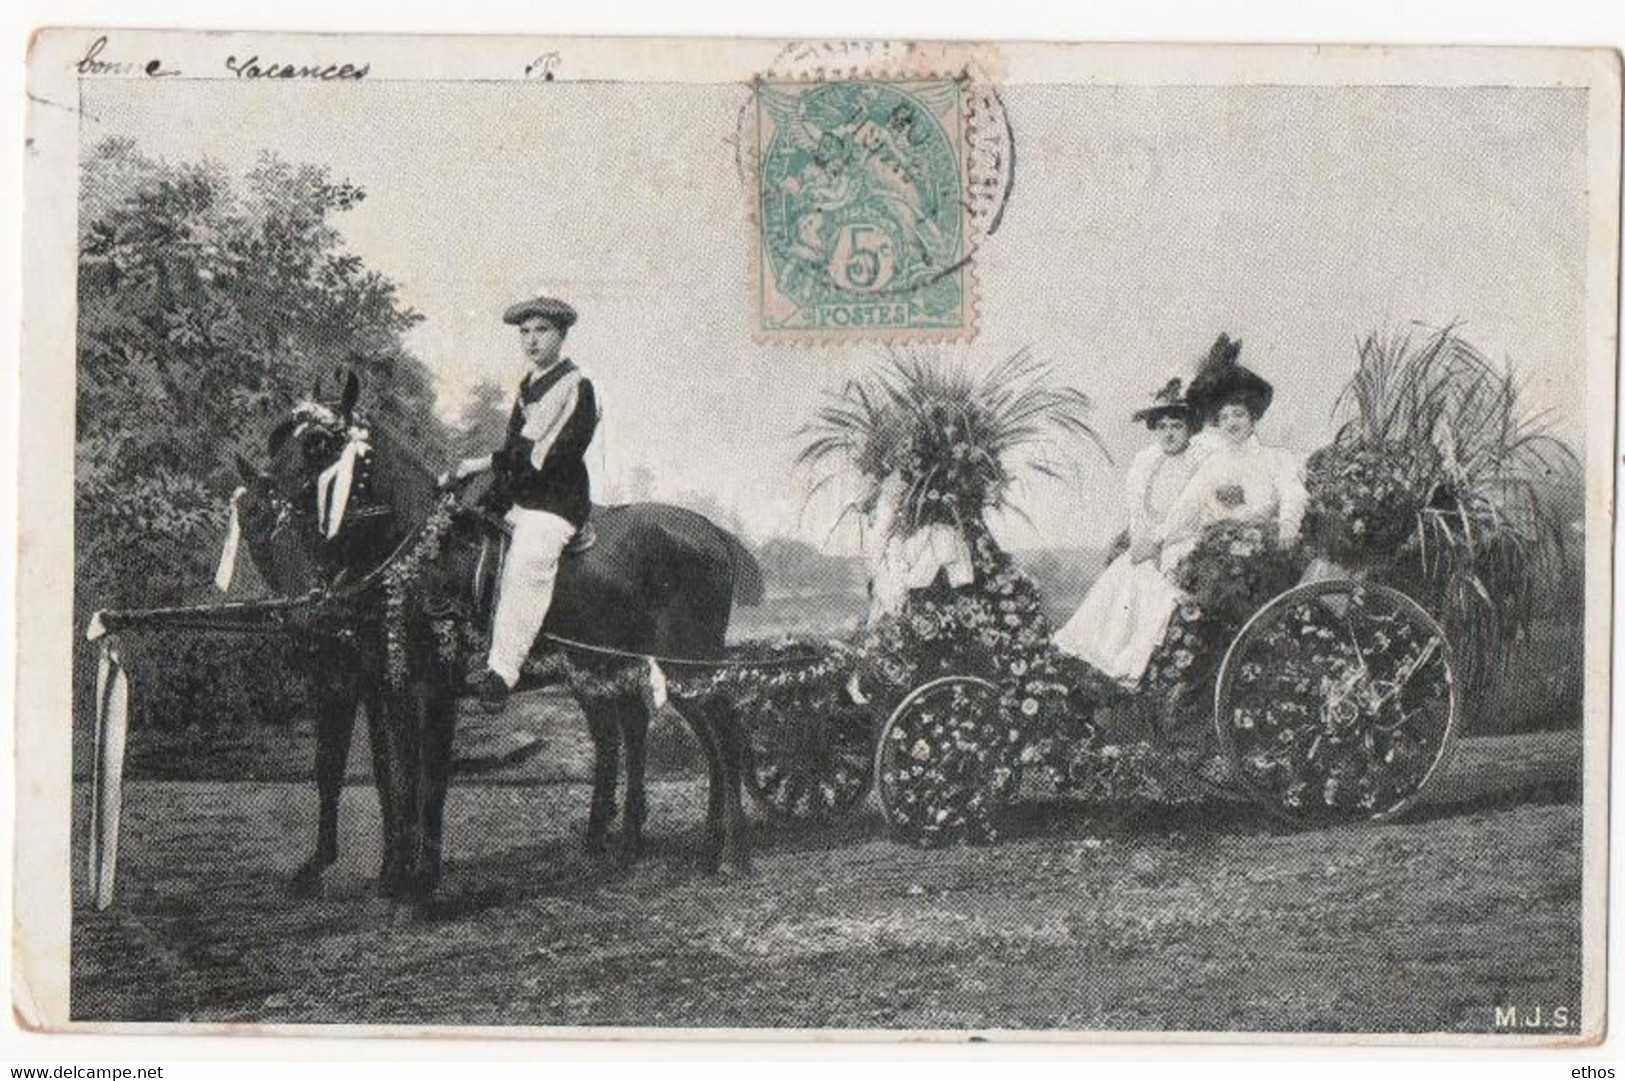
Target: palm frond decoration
[[953, 438], [1486, 485]]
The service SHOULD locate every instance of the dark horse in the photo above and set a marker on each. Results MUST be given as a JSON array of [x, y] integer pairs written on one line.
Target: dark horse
[[658, 581]]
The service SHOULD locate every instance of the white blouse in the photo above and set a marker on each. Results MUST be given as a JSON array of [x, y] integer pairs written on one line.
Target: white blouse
[[1237, 481], [1154, 483]]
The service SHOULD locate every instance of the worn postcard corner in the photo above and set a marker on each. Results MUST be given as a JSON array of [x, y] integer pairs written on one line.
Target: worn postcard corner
[[726, 538]]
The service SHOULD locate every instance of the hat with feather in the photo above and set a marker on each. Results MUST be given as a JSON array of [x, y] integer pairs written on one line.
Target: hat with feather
[[1170, 401], [1221, 380]]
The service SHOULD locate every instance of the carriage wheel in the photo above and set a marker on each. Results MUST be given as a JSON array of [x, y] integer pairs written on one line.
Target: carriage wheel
[[1337, 700], [946, 759], [811, 768]]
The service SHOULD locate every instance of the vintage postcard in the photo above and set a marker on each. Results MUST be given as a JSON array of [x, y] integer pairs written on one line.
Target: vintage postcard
[[741, 538]]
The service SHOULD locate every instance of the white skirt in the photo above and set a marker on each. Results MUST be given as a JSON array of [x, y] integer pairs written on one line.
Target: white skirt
[[1122, 620]]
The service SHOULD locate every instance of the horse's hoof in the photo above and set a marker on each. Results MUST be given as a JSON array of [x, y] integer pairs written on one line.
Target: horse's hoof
[[306, 882], [594, 846], [628, 852], [421, 889], [392, 887]]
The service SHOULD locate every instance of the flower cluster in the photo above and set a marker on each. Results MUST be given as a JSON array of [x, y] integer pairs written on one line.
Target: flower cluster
[[1363, 500], [948, 436], [401, 578], [948, 475], [1184, 662], [1235, 568], [950, 762], [767, 669], [1101, 771], [995, 629]]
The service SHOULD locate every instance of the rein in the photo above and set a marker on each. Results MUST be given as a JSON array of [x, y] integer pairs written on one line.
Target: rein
[[269, 615], [243, 616]]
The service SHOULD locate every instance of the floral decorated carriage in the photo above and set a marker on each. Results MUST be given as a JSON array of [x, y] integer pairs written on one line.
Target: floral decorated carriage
[[1335, 699], [1305, 679]]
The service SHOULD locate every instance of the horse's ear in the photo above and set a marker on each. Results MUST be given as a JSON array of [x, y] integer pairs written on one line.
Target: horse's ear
[[352, 391], [246, 470], [316, 389]]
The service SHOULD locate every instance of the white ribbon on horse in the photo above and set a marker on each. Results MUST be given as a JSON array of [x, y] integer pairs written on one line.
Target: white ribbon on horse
[[658, 691], [107, 789], [333, 486], [228, 552]]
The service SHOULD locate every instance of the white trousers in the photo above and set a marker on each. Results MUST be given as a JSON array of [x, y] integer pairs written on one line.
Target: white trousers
[[526, 588]]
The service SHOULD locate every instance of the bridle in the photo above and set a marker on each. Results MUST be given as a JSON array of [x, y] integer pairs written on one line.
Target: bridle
[[336, 485]]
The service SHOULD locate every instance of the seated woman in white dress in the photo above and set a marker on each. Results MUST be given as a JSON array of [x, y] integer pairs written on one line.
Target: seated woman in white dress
[[1126, 612], [1239, 478]]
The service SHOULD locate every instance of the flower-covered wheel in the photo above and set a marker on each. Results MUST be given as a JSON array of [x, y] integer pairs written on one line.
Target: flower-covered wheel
[[1337, 700], [946, 760], [811, 767]]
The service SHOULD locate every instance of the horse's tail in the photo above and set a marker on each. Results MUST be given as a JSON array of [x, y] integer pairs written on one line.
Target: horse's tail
[[747, 573]]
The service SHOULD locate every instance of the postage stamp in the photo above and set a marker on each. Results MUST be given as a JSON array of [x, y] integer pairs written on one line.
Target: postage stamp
[[756, 562], [862, 227]]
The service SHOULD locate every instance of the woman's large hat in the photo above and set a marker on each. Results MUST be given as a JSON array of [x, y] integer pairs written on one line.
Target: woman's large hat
[[1170, 401], [1222, 379]]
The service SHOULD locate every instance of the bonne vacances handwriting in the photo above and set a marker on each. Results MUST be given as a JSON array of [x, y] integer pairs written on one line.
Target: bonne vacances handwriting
[[255, 68], [93, 64], [96, 61]]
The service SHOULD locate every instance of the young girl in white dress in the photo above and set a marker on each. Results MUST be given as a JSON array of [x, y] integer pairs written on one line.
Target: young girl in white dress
[[1126, 612]]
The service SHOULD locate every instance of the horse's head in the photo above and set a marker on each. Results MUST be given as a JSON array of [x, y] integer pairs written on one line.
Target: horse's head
[[311, 512]]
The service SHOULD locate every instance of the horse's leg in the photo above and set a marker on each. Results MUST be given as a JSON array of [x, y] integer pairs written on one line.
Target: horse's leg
[[635, 715], [606, 744], [335, 725], [439, 733], [731, 741], [397, 761], [407, 709], [383, 778], [696, 624], [699, 722]]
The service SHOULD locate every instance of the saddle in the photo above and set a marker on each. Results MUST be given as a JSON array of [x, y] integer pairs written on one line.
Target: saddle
[[496, 534], [466, 585]]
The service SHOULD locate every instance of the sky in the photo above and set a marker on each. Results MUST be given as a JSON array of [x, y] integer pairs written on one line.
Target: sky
[[1142, 222]]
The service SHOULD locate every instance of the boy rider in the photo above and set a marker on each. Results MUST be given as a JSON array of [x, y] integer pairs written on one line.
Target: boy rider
[[542, 468]]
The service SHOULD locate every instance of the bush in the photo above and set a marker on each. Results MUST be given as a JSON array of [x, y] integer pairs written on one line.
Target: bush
[[189, 681]]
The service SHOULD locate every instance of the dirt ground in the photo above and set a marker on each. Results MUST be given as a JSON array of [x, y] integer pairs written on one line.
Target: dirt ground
[[1206, 917]]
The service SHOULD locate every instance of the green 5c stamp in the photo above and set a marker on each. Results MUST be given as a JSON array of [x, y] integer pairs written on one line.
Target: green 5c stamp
[[862, 228]]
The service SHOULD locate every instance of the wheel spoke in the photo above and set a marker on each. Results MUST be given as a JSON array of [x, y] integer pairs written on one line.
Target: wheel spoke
[[1317, 724]]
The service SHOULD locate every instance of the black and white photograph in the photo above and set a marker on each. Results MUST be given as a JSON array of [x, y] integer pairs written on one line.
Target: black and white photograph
[[732, 537]]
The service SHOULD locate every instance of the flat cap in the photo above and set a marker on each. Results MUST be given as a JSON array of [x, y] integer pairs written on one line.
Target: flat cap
[[554, 311]]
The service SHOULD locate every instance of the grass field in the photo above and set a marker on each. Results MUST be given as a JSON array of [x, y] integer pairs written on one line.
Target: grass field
[[1207, 917]]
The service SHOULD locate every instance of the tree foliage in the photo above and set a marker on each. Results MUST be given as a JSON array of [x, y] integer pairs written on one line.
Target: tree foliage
[[208, 304]]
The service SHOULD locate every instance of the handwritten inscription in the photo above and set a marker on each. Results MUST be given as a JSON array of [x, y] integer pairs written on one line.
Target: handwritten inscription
[[94, 62], [254, 68], [543, 67]]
